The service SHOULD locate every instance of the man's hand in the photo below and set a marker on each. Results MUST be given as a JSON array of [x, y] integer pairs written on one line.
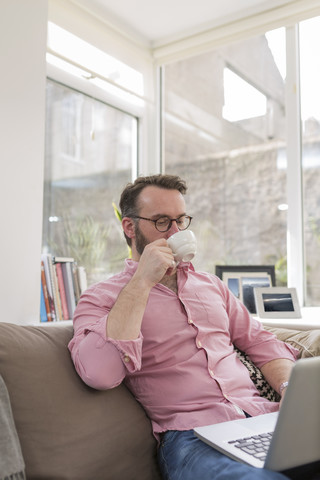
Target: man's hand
[[155, 262]]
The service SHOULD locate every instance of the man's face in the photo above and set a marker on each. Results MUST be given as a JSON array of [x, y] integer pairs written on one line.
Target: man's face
[[155, 202]]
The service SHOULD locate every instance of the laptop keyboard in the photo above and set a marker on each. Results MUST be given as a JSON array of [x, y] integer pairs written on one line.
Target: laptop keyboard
[[257, 445]]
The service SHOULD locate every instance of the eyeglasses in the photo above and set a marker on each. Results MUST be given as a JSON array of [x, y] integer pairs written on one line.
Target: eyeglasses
[[163, 224]]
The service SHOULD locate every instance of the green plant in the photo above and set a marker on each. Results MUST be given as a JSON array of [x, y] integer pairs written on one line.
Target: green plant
[[86, 240], [119, 217], [281, 271], [117, 212], [315, 228]]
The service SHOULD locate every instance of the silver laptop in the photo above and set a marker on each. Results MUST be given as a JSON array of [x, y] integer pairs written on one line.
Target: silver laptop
[[281, 440]]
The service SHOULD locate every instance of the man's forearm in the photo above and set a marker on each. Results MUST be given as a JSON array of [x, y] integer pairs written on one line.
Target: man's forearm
[[277, 372], [125, 317]]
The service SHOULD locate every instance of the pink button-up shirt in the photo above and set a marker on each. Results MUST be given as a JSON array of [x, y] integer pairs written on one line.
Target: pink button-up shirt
[[183, 368]]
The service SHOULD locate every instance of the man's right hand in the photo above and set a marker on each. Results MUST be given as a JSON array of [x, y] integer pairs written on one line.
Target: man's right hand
[[156, 261]]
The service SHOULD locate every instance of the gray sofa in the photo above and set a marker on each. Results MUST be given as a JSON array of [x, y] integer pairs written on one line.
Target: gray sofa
[[68, 431]]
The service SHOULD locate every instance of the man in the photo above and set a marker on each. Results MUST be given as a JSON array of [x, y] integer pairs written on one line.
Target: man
[[169, 332]]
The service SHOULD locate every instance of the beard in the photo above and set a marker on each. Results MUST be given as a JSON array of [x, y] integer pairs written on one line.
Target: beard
[[141, 240]]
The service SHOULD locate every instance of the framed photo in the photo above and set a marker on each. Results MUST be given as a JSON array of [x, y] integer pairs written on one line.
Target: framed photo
[[221, 269], [277, 302], [242, 279]]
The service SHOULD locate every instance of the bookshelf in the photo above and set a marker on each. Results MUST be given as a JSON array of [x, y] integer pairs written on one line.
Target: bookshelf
[[62, 283]]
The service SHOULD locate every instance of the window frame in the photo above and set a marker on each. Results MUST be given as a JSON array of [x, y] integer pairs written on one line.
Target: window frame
[[296, 271], [84, 86]]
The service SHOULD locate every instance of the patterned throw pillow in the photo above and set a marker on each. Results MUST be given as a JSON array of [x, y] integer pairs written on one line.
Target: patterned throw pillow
[[258, 379]]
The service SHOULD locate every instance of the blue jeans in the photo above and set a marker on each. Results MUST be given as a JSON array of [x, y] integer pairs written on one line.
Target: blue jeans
[[182, 456]]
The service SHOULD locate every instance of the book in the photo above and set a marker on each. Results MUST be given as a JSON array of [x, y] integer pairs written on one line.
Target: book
[[68, 286], [82, 276], [64, 305], [47, 263], [76, 284], [57, 297], [45, 293], [43, 311], [62, 283], [54, 288], [56, 259]]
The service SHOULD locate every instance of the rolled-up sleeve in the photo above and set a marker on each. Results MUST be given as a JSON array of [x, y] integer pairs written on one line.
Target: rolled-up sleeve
[[100, 361]]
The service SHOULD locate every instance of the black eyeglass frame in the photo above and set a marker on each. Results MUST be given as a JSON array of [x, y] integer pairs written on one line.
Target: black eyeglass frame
[[170, 221]]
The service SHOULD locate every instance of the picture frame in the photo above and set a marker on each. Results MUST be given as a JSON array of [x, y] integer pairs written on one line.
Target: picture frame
[[270, 269], [277, 302], [242, 279]]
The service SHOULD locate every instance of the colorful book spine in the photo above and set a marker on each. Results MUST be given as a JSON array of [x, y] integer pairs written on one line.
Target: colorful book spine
[[47, 262], [53, 287], [45, 293], [68, 286], [64, 305], [82, 276], [76, 284], [62, 283], [58, 307], [43, 311]]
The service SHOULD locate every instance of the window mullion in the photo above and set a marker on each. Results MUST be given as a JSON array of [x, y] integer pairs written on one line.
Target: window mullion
[[295, 241]]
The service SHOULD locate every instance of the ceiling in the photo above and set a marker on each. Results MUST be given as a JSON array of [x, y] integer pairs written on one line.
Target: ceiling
[[157, 22]]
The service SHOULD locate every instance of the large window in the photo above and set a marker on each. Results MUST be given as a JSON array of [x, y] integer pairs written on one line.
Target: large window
[[94, 103], [310, 112], [225, 134], [226, 131], [91, 153]]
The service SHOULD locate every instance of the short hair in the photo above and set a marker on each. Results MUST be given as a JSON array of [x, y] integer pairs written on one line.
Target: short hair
[[129, 197]]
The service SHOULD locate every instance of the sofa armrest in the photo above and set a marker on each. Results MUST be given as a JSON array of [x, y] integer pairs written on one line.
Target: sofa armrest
[[67, 430]]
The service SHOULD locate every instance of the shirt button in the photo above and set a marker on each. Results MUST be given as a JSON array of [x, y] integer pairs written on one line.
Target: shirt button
[[190, 321], [126, 358], [211, 373], [199, 344]]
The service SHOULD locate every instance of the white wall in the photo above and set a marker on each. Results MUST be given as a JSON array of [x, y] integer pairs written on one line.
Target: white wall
[[23, 28]]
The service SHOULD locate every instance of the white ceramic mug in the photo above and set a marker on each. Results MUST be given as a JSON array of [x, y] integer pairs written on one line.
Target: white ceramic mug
[[183, 245]]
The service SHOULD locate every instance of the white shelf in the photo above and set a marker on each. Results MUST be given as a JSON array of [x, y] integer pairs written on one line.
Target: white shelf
[[310, 320], [63, 323]]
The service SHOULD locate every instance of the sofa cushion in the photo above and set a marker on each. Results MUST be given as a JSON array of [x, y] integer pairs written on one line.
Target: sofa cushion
[[261, 384], [306, 341], [68, 430]]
